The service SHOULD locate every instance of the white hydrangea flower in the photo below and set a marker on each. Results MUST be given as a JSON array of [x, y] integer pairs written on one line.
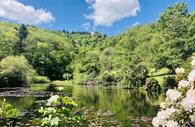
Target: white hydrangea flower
[[157, 121], [173, 95], [191, 76], [166, 117], [193, 63], [172, 123], [179, 70], [52, 100], [165, 114], [189, 101], [192, 117], [184, 83]]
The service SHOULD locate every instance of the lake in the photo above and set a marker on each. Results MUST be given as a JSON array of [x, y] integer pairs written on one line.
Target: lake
[[101, 106]]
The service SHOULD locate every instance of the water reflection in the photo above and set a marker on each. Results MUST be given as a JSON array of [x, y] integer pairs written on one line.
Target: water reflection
[[21, 103], [122, 105], [104, 106]]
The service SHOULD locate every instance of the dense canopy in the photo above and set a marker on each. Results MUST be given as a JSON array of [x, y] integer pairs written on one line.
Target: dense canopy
[[96, 59]]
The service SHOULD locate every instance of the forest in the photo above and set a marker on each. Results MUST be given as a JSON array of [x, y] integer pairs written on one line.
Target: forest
[[144, 56], [151, 51]]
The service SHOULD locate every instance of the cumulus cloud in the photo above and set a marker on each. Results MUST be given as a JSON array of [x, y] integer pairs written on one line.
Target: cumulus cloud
[[106, 12], [16, 11]]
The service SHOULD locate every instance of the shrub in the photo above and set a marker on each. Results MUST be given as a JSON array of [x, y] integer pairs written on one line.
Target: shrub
[[40, 79], [178, 110], [169, 82], [51, 87], [67, 76], [59, 111], [152, 85], [15, 71], [7, 111], [137, 75], [108, 78]]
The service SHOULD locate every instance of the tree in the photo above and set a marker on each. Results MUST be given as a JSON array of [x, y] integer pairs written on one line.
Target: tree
[[22, 35], [173, 27], [23, 32], [15, 71]]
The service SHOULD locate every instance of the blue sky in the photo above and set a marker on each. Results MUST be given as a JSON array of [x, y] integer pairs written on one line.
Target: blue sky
[[104, 16]]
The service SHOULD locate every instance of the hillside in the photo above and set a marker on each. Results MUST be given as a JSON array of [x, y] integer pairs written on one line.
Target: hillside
[[126, 59]]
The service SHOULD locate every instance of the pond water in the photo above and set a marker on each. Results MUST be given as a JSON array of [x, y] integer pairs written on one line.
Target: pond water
[[103, 106]]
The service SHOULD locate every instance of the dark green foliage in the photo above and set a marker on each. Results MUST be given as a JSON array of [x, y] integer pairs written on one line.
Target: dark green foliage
[[51, 87], [108, 79], [22, 34], [137, 75], [153, 85], [170, 82]]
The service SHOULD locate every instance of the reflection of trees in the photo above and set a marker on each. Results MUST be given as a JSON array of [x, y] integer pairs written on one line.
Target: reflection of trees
[[21, 103], [153, 95], [122, 102]]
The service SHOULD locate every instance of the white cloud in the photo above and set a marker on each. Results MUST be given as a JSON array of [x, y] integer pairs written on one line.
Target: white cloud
[[16, 11], [136, 24], [86, 26], [106, 12], [89, 1]]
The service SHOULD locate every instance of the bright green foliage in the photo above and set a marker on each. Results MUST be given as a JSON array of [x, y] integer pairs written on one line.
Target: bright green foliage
[[60, 111], [7, 39], [40, 79], [94, 59], [138, 75], [51, 59], [173, 26], [7, 111], [15, 71]]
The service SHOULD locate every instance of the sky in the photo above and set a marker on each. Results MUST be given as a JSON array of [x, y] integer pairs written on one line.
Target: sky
[[110, 17]]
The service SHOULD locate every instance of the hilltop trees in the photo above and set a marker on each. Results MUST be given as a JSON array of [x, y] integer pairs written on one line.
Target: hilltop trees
[[93, 58]]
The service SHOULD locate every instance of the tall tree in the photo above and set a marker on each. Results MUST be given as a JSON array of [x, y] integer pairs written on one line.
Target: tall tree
[[173, 27], [22, 35]]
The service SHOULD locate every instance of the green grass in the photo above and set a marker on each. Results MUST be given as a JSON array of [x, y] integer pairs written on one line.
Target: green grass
[[61, 83], [39, 86], [161, 72]]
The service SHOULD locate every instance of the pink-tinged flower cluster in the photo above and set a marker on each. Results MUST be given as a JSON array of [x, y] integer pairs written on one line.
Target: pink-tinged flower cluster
[[172, 123], [173, 95], [191, 76], [180, 70], [189, 101], [178, 102], [163, 117], [183, 84]]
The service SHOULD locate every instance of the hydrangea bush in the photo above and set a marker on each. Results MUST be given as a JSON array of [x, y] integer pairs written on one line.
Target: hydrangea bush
[[59, 112], [178, 109]]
